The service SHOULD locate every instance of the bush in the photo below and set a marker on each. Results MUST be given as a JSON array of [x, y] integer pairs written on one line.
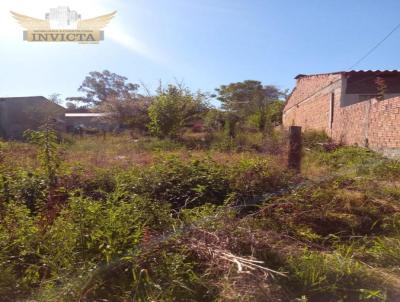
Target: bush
[[315, 139], [197, 182], [28, 188], [97, 185], [84, 235], [250, 179], [172, 109], [182, 184], [20, 247]]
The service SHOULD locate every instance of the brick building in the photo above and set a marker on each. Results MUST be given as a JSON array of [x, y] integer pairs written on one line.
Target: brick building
[[356, 107]]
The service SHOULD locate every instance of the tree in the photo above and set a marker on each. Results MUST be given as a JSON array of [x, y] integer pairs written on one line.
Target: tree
[[71, 106], [100, 86], [214, 119], [173, 109], [55, 98], [128, 113], [275, 111], [247, 98]]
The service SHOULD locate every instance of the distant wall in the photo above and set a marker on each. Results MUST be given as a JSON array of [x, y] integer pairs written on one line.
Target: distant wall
[[88, 122], [20, 114], [3, 120]]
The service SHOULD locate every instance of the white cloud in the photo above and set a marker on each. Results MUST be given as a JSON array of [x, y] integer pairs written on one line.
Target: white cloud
[[115, 31]]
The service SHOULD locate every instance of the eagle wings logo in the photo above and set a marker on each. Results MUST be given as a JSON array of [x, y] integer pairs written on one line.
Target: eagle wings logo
[[97, 23], [63, 25]]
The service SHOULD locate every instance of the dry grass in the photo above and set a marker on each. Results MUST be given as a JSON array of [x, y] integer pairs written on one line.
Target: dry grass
[[121, 152], [118, 151], [21, 155]]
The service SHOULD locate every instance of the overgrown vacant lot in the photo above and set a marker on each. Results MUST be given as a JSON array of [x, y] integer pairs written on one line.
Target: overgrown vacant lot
[[126, 219]]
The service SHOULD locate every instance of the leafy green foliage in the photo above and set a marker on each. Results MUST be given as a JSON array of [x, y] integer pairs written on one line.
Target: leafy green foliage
[[182, 184], [197, 182], [247, 98], [84, 235], [100, 86], [48, 153], [172, 109], [249, 179], [314, 139]]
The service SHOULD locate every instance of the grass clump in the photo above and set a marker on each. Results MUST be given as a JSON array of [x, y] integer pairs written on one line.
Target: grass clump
[[333, 277]]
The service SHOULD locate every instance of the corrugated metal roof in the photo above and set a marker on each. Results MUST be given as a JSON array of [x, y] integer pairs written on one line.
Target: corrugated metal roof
[[317, 74], [348, 72]]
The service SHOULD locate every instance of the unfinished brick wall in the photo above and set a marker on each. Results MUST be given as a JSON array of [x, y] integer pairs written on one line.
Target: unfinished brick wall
[[309, 103], [384, 126], [371, 123], [349, 124], [311, 115]]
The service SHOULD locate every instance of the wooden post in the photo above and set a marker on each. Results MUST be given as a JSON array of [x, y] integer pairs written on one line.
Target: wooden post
[[295, 148], [80, 129]]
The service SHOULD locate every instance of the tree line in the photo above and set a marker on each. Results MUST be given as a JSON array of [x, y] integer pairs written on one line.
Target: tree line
[[170, 111]]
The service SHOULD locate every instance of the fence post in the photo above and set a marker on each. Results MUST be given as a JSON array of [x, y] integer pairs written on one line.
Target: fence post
[[295, 148]]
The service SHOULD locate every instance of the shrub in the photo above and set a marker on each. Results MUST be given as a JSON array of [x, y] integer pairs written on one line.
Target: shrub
[[20, 247], [112, 228], [248, 141], [222, 142], [196, 182], [183, 184], [84, 235], [251, 178], [172, 109], [97, 185], [49, 156], [28, 188], [315, 139]]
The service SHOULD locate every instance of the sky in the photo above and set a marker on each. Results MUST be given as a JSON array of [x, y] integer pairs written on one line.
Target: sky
[[204, 43]]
